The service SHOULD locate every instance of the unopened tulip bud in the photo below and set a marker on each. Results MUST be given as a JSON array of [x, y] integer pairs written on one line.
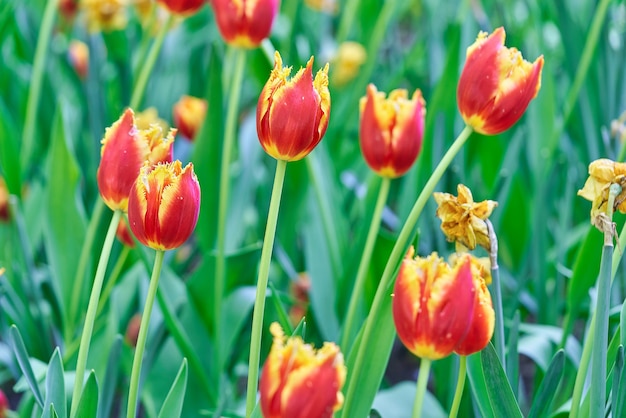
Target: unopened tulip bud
[[189, 113], [78, 53], [245, 23]]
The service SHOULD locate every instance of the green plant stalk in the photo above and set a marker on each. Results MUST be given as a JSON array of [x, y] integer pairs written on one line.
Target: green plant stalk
[[397, 252], [224, 191], [92, 308], [600, 335], [460, 385], [261, 287], [347, 18], [361, 274], [133, 390], [36, 79], [422, 382], [497, 296], [148, 65], [115, 274], [79, 278]]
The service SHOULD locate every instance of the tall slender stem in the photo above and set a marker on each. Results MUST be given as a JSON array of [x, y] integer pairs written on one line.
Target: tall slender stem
[[133, 391], [261, 287], [359, 367], [359, 282], [92, 308], [148, 65], [32, 105], [497, 295], [422, 382], [227, 149], [460, 384]]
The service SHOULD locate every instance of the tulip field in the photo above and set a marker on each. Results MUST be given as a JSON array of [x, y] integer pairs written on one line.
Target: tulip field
[[312, 209]]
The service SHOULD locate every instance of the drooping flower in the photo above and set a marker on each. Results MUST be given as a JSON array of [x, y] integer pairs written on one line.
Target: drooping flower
[[496, 84], [245, 23], [391, 130], [603, 173], [164, 204], [189, 113], [463, 220], [124, 151], [298, 381], [347, 62], [292, 115], [433, 304], [104, 15]]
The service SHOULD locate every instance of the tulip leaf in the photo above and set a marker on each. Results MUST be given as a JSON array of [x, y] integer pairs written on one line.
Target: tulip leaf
[[55, 387], [9, 152], [512, 356], [480, 392], [619, 385], [23, 360], [500, 394], [110, 378], [88, 404], [548, 388], [173, 404], [394, 402], [283, 316]]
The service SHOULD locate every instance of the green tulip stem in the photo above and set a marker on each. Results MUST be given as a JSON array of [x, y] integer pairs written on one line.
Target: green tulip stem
[[422, 382], [92, 309], [359, 282], [460, 384], [387, 279], [261, 287], [496, 288], [133, 391], [224, 191]]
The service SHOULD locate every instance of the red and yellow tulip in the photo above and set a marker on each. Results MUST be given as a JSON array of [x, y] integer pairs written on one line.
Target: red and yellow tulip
[[164, 204], [292, 115], [189, 113], [496, 84], [182, 7], [391, 130], [245, 23]]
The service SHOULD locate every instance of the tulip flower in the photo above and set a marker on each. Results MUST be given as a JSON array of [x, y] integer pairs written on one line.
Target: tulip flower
[[182, 7], [164, 204], [4, 201], [603, 173], [4, 404], [298, 381], [347, 62], [124, 151], [123, 234], [78, 54], [463, 220], [433, 304], [104, 15], [189, 113], [496, 84], [391, 130], [292, 115], [245, 23]]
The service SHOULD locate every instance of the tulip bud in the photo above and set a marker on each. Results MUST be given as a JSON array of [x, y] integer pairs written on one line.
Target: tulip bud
[[292, 115], [189, 113], [132, 330], [4, 404], [182, 7], [4, 201], [68, 9], [433, 304], [347, 62], [164, 204], [78, 54], [391, 130], [245, 23], [123, 233], [124, 151], [496, 84], [298, 381]]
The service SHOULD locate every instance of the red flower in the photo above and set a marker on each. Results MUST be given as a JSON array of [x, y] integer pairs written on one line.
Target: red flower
[[496, 84], [124, 151], [245, 23], [391, 130], [164, 204], [123, 233], [189, 113], [183, 6], [298, 381], [292, 115]]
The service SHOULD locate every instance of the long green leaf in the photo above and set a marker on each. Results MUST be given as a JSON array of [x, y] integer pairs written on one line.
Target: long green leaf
[[55, 387], [110, 379], [500, 394], [548, 388], [476, 376], [173, 405], [88, 405], [619, 387], [23, 360]]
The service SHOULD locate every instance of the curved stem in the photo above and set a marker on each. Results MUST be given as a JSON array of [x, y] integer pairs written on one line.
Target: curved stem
[[227, 148], [460, 384], [261, 287], [422, 382], [148, 65], [92, 308], [32, 105], [397, 252], [83, 261], [359, 282], [133, 391]]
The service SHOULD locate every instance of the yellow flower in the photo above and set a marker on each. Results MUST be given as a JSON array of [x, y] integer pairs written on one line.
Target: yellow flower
[[349, 58], [603, 173], [463, 220], [105, 15]]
